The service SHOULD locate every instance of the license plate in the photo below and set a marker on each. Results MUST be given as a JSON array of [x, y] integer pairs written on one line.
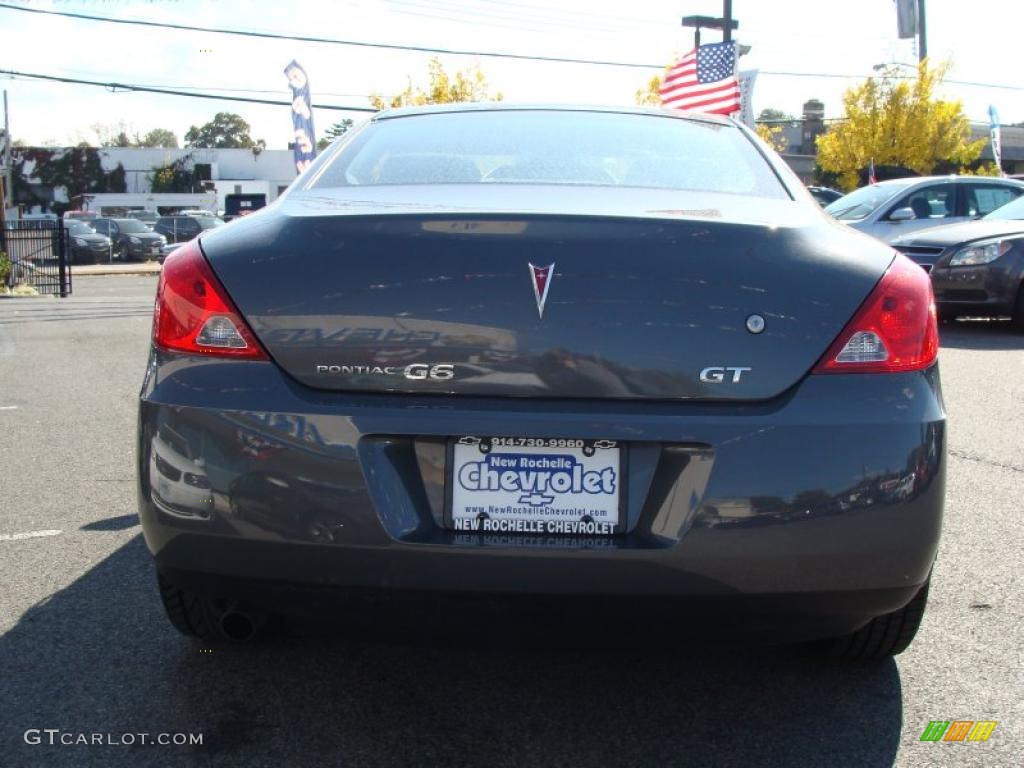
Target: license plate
[[535, 486]]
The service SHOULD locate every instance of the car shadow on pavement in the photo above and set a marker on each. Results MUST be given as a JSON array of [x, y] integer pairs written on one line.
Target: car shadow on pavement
[[120, 523], [99, 657], [980, 335]]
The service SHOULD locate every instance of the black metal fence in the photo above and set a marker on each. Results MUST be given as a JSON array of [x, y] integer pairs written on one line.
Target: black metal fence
[[38, 253]]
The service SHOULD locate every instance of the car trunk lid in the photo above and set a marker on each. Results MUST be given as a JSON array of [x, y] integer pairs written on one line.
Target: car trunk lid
[[373, 291]]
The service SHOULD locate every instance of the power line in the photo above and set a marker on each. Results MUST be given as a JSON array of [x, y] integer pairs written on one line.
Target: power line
[[833, 75], [331, 41], [225, 89], [426, 49], [171, 92], [453, 10]]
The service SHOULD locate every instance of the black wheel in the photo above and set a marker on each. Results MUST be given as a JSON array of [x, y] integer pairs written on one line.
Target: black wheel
[[1018, 310], [209, 619], [883, 636]]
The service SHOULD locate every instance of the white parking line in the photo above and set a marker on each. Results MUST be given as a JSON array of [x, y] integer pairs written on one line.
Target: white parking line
[[27, 535], [8, 407]]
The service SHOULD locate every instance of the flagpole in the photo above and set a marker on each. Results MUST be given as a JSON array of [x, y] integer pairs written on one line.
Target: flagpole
[[922, 35]]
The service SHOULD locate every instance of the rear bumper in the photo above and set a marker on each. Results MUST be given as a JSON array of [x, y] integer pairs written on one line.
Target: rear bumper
[[828, 500], [144, 250]]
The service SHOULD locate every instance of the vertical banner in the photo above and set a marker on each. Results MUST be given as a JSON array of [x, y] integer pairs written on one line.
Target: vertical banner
[[747, 78], [906, 19], [995, 136], [302, 116]]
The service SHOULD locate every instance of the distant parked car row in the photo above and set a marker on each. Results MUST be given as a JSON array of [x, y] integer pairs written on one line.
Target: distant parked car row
[[137, 235], [967, 231], [132, 239]]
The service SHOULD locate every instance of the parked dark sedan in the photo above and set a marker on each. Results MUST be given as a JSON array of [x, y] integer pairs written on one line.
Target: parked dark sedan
[[181, 228], [132, 239], [86, 245], [578, 353], [977, 267]]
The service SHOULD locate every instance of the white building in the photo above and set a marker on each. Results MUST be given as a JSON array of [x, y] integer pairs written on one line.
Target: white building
[[232, 171], [229, 171]]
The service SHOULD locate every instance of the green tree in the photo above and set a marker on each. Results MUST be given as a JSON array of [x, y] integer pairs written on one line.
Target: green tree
[[337, 129], [120, 134], [227, 130], [176, 176], [892, 121], [158, 137], [466, 85], [111, 135], [79, 170], [772, 115]]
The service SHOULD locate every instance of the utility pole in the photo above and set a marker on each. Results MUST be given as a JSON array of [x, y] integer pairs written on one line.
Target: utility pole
[[922, 36], [7, 190], [727, 19]]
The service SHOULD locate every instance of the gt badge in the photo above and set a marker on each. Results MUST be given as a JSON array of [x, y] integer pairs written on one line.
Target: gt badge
[[541, 279]]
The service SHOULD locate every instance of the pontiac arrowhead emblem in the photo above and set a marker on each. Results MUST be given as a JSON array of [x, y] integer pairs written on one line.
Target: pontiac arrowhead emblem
[[541, 279]]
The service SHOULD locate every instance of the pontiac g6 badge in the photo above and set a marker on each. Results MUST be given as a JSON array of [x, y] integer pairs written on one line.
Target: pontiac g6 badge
[[541, 277]]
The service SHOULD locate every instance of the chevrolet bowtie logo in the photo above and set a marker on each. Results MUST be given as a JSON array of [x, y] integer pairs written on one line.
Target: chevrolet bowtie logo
[[536, 499]]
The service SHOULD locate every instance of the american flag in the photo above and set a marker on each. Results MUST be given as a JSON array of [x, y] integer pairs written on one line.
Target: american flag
[[704, 80]]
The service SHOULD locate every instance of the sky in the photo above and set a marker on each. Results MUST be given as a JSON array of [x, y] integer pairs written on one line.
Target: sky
[[803, 49]]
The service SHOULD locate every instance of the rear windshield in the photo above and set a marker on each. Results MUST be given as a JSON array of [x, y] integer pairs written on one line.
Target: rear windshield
[[552, 147]]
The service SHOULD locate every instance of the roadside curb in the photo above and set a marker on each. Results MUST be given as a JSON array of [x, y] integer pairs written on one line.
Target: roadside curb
[[93, 270]]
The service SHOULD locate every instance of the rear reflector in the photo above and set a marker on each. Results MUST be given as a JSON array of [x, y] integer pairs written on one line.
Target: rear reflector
[[193, 313], [894, 330]]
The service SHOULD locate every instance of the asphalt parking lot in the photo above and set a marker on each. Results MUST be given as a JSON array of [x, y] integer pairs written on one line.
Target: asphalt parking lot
[[85, 646]]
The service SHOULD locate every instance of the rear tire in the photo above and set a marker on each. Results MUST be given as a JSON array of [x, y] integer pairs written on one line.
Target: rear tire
[[1018, 310], [884, 636], [209, 619]]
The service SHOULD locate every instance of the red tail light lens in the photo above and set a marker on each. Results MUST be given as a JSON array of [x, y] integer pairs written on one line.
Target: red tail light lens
[[894, 330], [193, 313]]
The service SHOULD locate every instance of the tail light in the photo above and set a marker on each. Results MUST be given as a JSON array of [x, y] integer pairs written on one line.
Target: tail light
[[194, 314], [894, 330]]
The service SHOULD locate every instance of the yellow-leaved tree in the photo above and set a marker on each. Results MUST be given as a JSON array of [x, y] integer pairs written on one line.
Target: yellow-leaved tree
[[772, 136], [466, 85], [650, 94], [898, 121]]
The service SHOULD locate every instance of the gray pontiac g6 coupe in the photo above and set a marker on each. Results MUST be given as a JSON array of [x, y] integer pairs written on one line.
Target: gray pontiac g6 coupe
[[547, 353]]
